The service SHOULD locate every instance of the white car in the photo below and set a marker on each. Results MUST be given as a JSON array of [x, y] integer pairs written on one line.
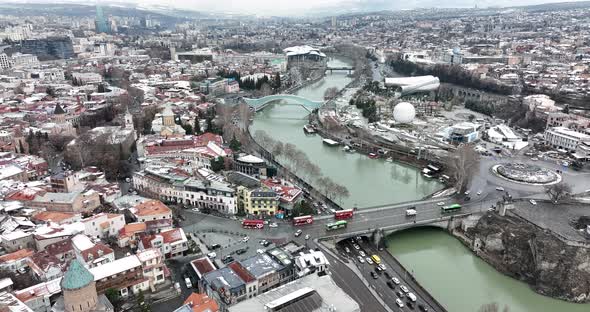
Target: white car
[[533, 202], [499, 188], [260, 251], [273, 225], [362, 253], [467, 192], [357, 247], [212, 255], [188, 283], [412, 297], [440, 203], [399, 303], [245, 239], [347, 249], [404, 288], [395, 280], [479, 192], [307, 236], [383, 267], [195, 209], [361, 260], [369, 261]]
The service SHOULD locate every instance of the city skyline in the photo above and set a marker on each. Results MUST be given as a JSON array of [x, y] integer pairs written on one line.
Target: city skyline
[[298, 8]]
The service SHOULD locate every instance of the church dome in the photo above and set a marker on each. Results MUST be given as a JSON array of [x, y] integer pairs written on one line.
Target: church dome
[[76, 277]]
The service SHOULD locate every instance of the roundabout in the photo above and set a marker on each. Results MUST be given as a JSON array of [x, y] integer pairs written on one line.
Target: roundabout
[[526, 174]]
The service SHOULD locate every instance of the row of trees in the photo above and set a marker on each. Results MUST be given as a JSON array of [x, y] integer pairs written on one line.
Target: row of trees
[[298, 162], [251, 83]]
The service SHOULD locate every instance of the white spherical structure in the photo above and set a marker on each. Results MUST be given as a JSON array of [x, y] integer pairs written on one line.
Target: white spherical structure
[[404, 112]]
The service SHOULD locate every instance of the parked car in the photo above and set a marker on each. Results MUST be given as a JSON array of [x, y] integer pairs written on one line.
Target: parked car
[[422, 308], [273, 225], [347, 249], [241, 251], [357, 247], [227, 259], [479, 192], [374, 275], [361, 260], [362, 253], [387, 275], [399, 303], [382, 267], [369, 261], [395, 280], [245, 239], [440, 203], [404, 288], [188, 283], [298, 233], [195, 209], [212, 255], [307, 236]]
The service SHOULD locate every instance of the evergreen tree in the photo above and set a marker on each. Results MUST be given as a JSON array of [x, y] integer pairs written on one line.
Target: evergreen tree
[[188, 128], [234, 144], [217, 164], [20, 146]]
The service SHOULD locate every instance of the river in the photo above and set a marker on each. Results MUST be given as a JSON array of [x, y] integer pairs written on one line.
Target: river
[[455, 276], [370, 182]]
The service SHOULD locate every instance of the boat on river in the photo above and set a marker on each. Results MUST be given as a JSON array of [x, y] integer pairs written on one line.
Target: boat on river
[[309, 129], [331, 142]]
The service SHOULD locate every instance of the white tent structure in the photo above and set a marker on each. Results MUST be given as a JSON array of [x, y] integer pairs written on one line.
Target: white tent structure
[[409, 85]]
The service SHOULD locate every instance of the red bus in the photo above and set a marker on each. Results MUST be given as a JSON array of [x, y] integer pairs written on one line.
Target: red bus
[[252, 224], [303, 220], [344, 214]]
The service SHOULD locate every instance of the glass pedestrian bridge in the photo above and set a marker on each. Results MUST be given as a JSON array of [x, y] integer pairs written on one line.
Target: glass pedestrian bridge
[[260, 103]]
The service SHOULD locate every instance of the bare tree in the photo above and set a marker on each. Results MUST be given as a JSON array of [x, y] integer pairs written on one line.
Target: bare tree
[[244, 113], [266, 89], [463, 163], [492, 307], [295, 76], [558, 191], [330, 93]]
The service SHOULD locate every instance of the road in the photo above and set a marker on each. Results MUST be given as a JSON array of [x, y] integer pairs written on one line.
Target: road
[[393, 270]]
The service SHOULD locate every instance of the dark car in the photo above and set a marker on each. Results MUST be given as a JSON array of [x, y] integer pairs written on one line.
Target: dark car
[[390, 284], [399, 294], [214, 246], [227, 259], [467, 198], [387, 275], [422, 308], [378, 270], [410, 305], [266, 243], [374, 275], [241, 251]]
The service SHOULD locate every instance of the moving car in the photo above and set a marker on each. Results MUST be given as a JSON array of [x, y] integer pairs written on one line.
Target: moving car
[[499, 188], [307, 236], [188, 283], [245, 239], [390, 284], [533, 202], [411, 212], [479, 192], [357, 247], [369, 261], [412, 297], [227, 259], [378, 270], [195, 209], [298, 233], [273, 225], [382, 267], [404, 288], [395, 280], [361, 260], [467, 192], [374, 275], [422, 308], [212, 255], [347, 249], [362, 253], [440, 203], [399, 303]]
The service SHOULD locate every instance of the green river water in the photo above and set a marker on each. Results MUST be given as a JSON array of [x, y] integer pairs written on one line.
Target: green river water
[[452, 273]]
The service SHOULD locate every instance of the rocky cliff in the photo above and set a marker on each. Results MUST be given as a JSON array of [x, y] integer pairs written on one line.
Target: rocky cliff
[[521, 250]]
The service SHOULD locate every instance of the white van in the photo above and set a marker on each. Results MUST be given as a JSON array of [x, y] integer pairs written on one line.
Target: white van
[[212, 255], [412, 297], [188, 283], [410, 212]]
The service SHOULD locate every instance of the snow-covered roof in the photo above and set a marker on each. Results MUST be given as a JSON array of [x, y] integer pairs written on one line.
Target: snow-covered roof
[[302, 50], [251, 159], [115, 267]]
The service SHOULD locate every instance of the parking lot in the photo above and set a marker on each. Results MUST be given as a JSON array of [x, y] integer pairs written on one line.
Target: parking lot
[[399, 291]]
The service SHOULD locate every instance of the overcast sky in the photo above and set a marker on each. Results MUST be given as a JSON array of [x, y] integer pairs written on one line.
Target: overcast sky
[[304, 7]]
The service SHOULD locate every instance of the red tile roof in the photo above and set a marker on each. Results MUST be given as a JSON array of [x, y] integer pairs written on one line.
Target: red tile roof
[[241, 272], [201, 303]]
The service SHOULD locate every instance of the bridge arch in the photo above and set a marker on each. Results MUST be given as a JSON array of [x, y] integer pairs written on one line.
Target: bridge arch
[[262, 102]]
